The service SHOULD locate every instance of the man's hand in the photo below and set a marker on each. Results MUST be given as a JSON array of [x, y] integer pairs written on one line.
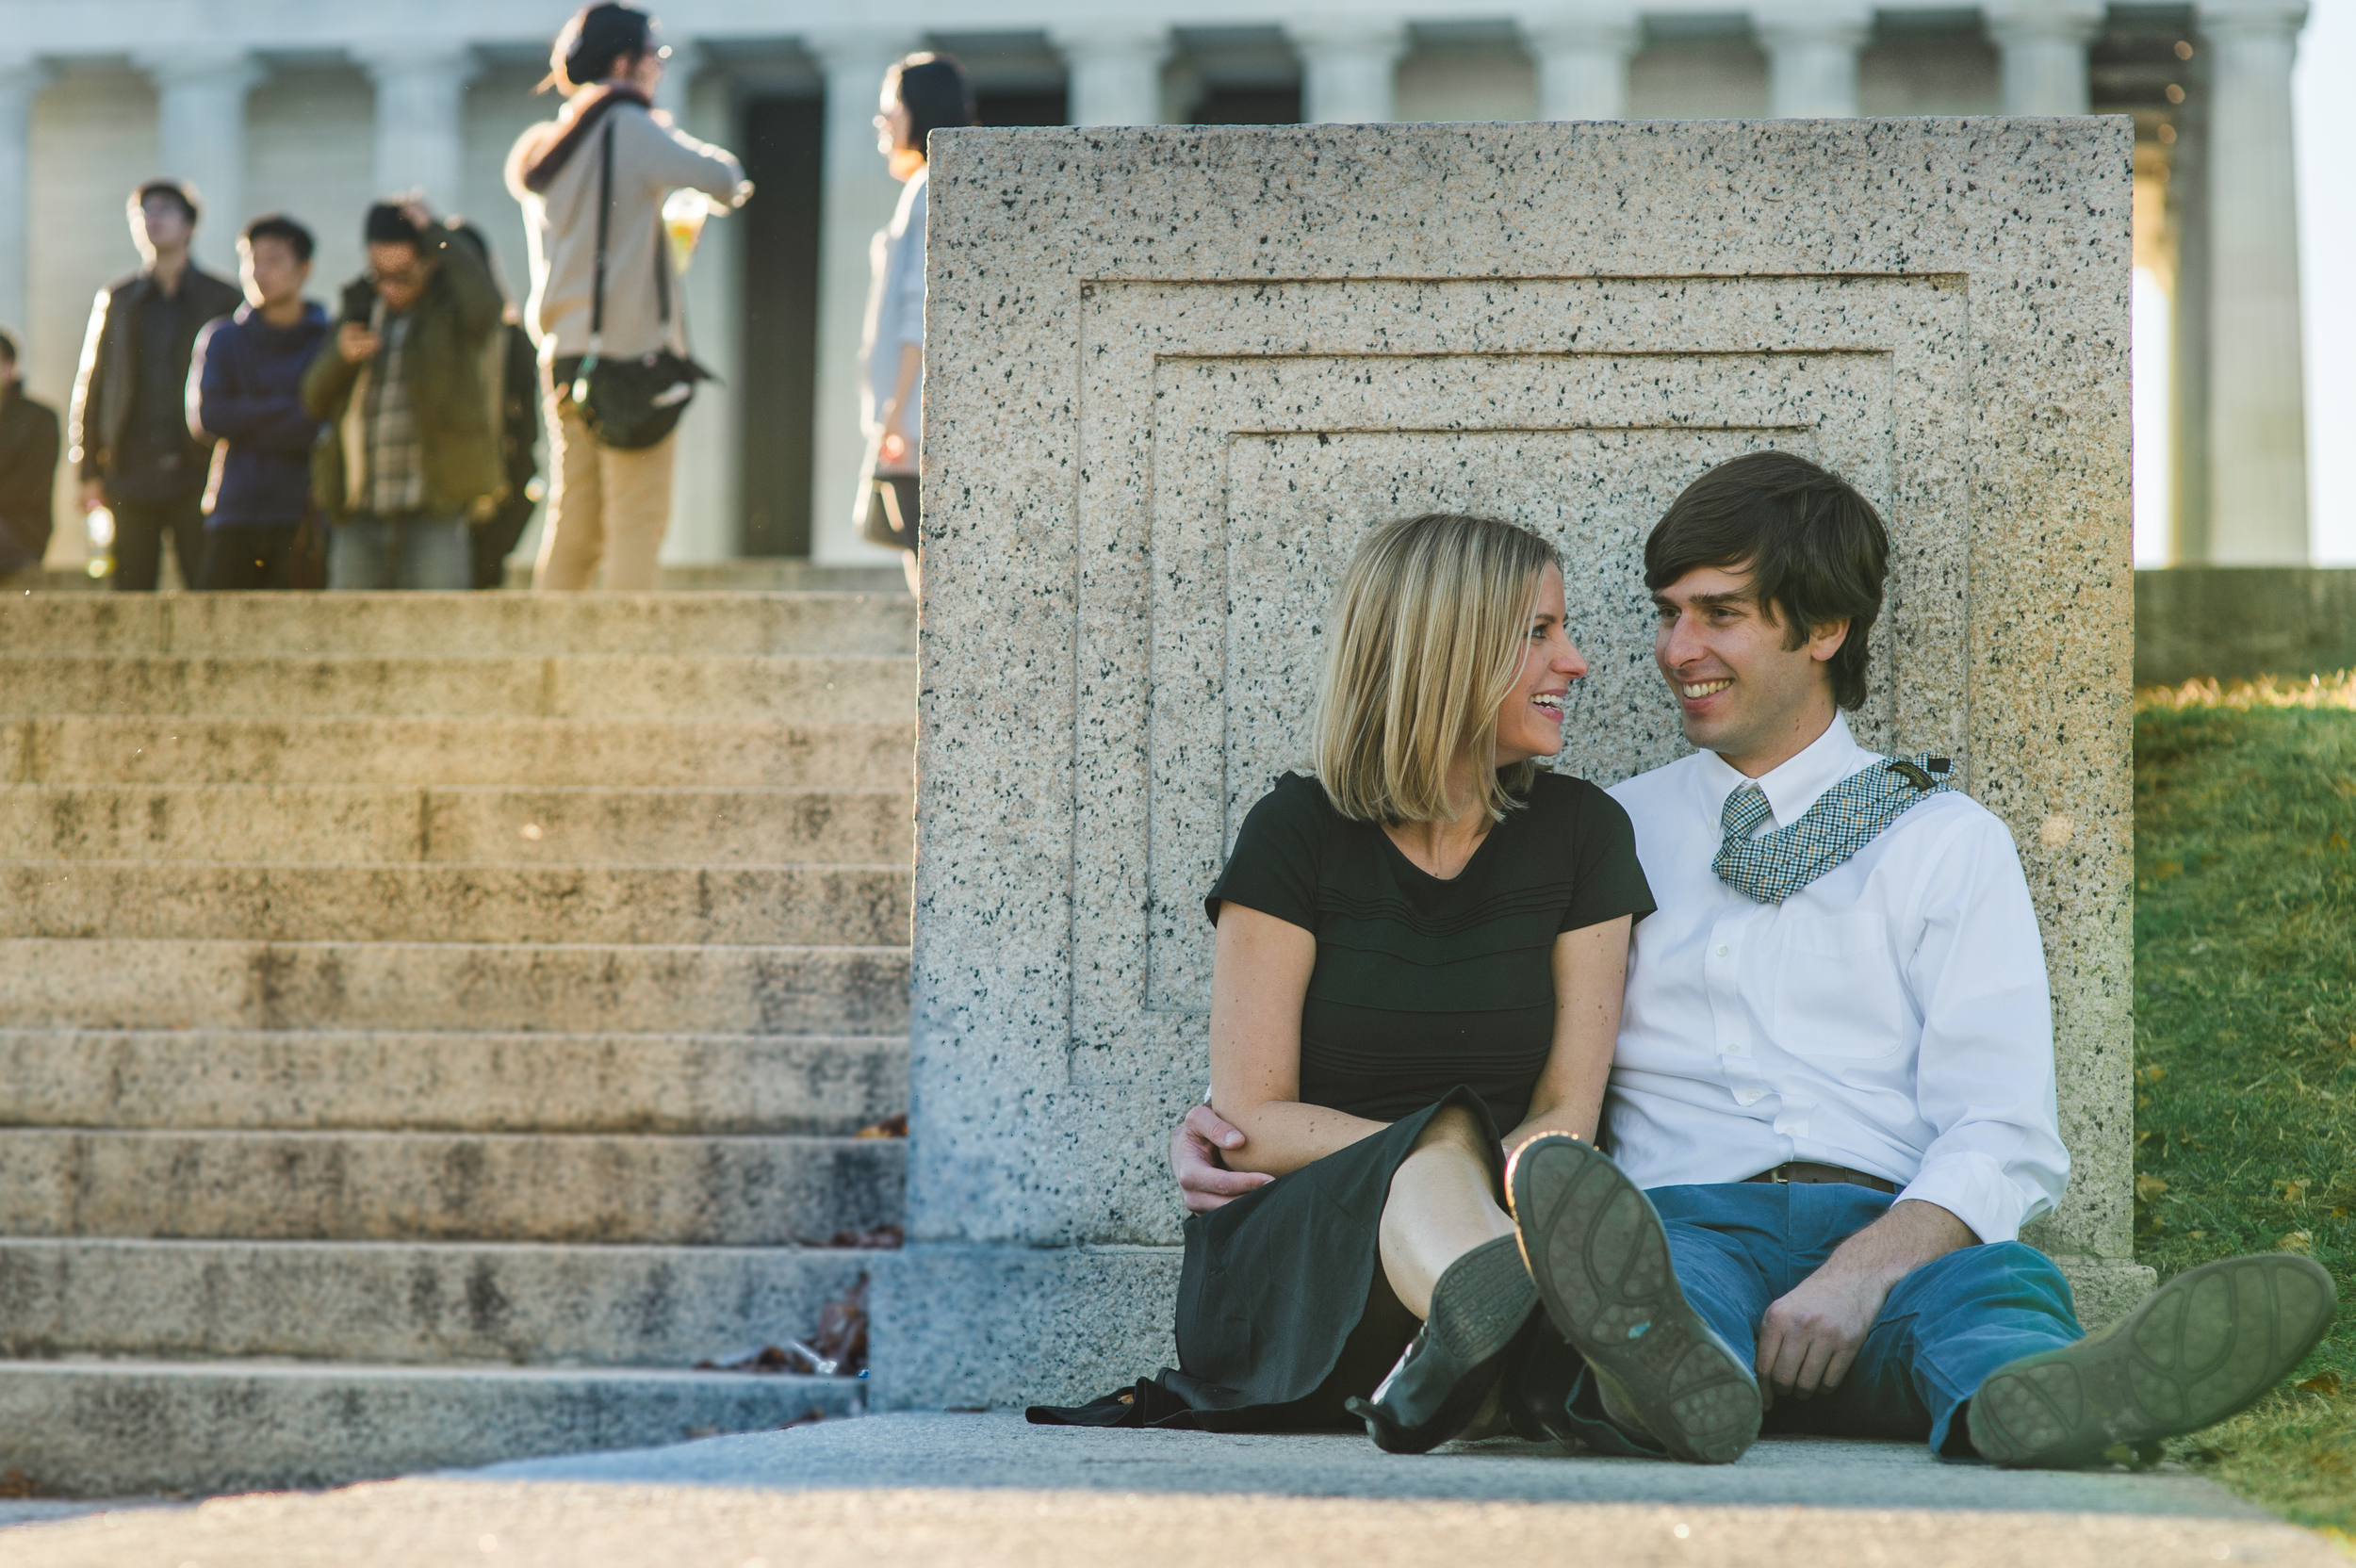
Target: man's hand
[[356, 343], [93, 494], [1809, 1339], [1195, 1160]]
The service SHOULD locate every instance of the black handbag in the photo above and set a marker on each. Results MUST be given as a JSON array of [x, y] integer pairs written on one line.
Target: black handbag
[[894, 510], [628, 404]]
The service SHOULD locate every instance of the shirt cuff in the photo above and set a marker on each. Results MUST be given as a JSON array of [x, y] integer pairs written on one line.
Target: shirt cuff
[[1977, 1189]]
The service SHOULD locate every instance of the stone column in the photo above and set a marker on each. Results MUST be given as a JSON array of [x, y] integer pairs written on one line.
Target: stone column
[[2257, 402], [1115, 72], [706, 504], [421, 118], [858, 199], [2043, 46], [200, 138], [21, 82], [1582, 63], [1811, 60], [1349, 70]]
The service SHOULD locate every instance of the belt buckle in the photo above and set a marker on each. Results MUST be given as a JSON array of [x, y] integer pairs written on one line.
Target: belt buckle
[[1781, 1175]]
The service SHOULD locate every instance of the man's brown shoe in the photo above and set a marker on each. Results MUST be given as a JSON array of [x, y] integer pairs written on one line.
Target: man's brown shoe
[[2204, 1344]]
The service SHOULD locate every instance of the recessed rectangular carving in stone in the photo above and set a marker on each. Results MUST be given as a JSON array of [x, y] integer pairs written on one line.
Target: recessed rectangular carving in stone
[[1172, 375]]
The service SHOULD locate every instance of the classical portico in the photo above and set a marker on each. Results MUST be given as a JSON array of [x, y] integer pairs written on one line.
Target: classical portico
[[314, 109]]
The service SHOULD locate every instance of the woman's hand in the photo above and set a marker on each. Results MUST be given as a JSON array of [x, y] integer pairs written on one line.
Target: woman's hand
[[892, 451], [1195, 1159]]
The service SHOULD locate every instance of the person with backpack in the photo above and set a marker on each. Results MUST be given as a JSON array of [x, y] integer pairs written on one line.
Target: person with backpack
[[605, 307]]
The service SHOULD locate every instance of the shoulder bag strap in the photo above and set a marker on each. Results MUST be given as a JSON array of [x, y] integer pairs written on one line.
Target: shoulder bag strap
[[605, 219]]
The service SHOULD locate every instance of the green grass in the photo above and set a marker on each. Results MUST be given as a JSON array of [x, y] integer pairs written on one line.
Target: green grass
[[2245, 1041]]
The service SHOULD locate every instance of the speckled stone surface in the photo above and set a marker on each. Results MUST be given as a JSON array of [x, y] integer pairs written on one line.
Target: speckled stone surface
[[1173, 373]]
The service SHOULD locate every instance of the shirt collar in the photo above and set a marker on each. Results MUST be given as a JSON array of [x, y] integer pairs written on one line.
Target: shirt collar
[[1793, 785]]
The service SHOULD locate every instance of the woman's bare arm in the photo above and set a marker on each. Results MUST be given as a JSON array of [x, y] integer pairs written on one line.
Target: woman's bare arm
[[1259, 978], [1589, 974]]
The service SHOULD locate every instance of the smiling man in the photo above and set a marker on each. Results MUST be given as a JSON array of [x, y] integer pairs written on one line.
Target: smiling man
[[1832, 1100]]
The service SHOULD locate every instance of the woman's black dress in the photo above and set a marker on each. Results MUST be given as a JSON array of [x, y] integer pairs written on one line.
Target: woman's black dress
[[1427, 992]]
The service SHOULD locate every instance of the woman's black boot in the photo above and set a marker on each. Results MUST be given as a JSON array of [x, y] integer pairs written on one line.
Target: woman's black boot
[[1478, 1308]]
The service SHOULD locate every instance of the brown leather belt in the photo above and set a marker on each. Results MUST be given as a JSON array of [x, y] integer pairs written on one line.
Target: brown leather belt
[[1810, 1173]]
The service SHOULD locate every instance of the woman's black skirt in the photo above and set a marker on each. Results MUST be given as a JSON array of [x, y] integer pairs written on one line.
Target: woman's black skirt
[[1283, 1308]]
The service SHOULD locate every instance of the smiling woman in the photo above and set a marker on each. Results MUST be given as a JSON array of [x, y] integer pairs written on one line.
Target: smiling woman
[[1418, 945]]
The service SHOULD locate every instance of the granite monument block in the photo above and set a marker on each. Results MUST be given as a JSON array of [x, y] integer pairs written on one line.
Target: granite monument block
[[1173, 373]]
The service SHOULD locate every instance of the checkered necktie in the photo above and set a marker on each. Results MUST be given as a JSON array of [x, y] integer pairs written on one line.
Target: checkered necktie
[[1845, 818]]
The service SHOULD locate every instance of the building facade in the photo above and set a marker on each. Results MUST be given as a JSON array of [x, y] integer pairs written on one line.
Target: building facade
[[316, 106]]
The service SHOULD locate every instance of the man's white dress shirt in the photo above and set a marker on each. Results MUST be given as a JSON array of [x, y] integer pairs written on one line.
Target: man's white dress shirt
[[1891, 1017]]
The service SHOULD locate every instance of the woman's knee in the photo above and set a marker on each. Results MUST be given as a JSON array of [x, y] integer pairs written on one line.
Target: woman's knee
[[1456, 1129]]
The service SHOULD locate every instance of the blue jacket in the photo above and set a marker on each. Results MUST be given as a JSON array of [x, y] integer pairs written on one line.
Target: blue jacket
[[245, 385]]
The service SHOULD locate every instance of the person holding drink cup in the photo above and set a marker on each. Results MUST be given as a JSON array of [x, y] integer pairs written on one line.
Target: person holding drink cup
[[606, 307]]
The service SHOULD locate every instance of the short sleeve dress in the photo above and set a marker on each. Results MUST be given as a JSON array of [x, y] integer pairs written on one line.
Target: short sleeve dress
[[1427, 992]]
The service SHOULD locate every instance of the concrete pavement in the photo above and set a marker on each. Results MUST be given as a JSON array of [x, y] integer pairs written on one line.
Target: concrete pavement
[[933, 1488]]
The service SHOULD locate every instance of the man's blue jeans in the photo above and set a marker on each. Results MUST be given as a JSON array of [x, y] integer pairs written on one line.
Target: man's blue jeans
[[1740, 1246], [416, 550]]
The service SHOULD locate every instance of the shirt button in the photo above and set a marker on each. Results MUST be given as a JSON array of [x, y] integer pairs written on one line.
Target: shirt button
[[1723, 950]]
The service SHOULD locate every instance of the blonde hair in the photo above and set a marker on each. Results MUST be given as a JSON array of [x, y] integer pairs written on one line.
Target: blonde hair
[[1422, 646]]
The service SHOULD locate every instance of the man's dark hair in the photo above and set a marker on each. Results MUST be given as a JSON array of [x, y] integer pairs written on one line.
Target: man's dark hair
[[179, 191], [283, 229], [7, 346], [386, 224], [1815, 549], [932, 87], [596, 39]]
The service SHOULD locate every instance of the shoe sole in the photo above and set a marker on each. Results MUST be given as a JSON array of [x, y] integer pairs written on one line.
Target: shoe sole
[[2208, 1343], [1595, 1247], [1475, 1323]]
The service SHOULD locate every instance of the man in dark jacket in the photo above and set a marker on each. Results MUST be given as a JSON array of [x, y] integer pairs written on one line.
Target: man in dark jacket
[[245, 389], [411, 455], [128, 429], [28, 475], [512, 378]]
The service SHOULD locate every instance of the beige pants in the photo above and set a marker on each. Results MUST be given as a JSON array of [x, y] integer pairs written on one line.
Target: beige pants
[[605, 506]]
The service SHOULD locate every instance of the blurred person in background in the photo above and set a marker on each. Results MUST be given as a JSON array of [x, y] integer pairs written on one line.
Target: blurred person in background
[[922, 94], [411, 455], [511, 379], [28, 476], [128, 429], [245, 391], [607, 505]]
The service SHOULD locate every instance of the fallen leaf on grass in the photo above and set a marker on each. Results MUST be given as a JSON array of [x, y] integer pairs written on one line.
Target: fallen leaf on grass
[[2325, 1383], [2296, 1241], [2291, 1192], [2152, 1075], [2149, 1189]]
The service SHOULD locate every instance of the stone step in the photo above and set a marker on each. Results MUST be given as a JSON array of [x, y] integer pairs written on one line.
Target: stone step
[[123, 1429], [445, 1186], [814, 905], [357, 824], [806, 688], [870, 753], [254, 1079], [407, 1303], [112, 983], [477, 624]]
